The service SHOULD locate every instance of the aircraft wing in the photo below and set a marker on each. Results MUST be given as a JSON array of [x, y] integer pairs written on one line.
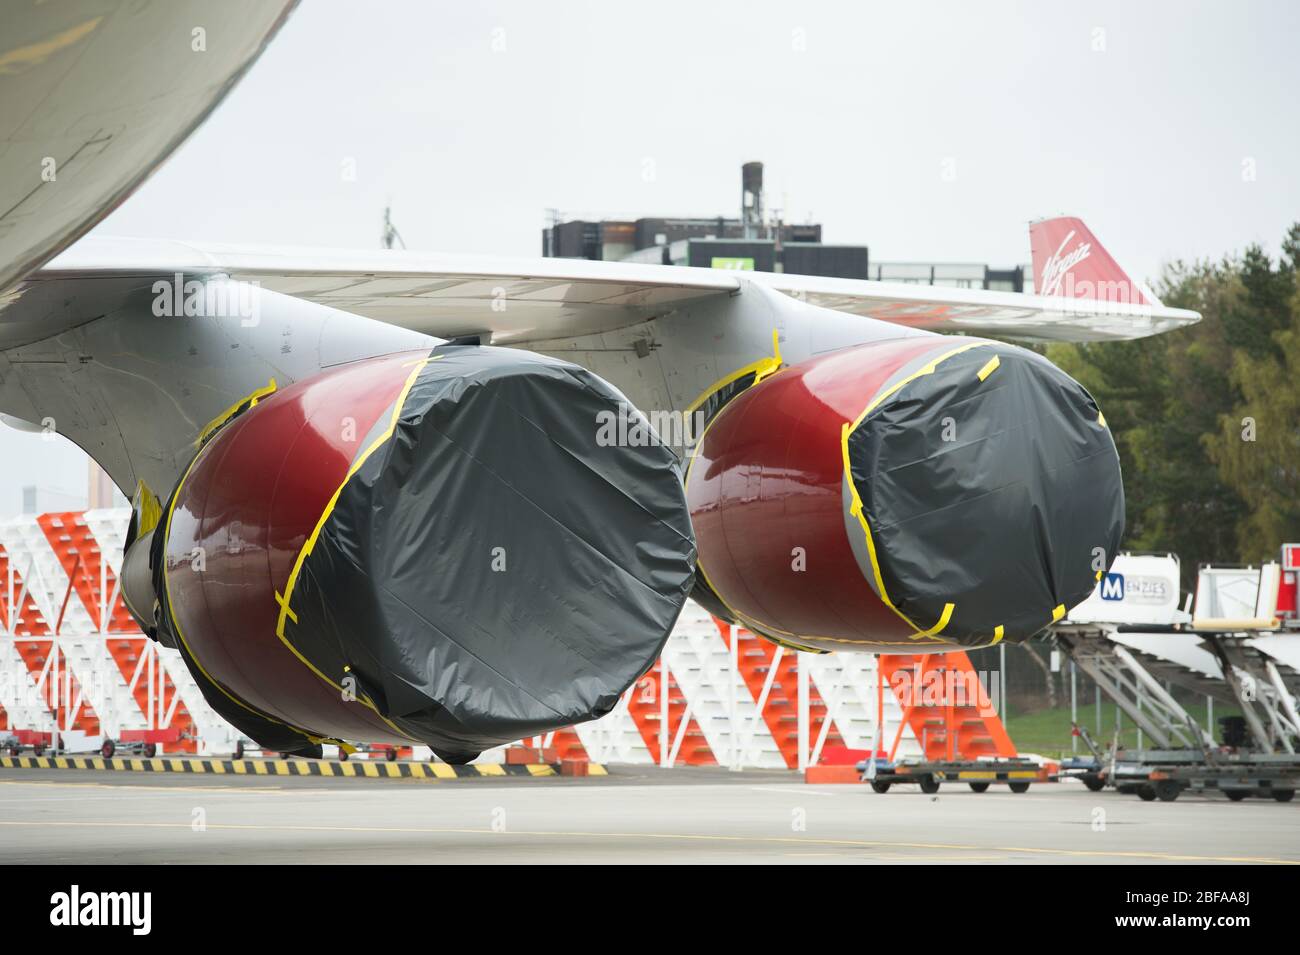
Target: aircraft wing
[[95, 94], [514, 301], [980, 312]]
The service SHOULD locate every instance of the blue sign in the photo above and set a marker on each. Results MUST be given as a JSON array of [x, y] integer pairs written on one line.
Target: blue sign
[[1112, 587]]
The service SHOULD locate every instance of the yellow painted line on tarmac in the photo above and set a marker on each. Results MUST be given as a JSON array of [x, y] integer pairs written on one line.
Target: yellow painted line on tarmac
[[663, 836]]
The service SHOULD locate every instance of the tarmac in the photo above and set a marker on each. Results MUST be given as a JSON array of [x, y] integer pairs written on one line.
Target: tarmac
[[633, 815]]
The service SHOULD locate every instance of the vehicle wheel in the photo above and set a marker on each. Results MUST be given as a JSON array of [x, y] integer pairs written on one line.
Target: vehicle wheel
[[929, 785], [108, 749], [1167, 790], [1236, 795], [880, 786], [150, 750], [1018, 787], [979, 787], [39, 749], [1094, 783], [239, 749], [1283, 795], [390, 754], [1146, 792]]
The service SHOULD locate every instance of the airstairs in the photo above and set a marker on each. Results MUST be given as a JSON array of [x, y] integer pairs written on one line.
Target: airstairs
[[1135, 641]]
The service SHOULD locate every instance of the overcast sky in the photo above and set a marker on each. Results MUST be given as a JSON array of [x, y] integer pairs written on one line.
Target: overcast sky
[[930, 132]]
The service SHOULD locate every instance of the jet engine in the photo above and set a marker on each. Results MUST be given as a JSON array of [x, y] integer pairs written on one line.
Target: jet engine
[[911, 494], [430, 547]]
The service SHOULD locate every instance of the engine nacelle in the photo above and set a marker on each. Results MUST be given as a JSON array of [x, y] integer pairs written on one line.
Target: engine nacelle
[[423, 547], [911, 494]]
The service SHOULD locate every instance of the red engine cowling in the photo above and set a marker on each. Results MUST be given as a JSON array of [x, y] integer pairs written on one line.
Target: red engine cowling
[[908, 494], [423, 547]]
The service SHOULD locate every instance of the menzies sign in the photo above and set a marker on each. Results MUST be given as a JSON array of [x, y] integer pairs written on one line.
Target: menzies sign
[[1138, 589]]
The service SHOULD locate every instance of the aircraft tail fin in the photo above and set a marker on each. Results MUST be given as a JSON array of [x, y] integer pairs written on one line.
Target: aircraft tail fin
[[1070, 262]]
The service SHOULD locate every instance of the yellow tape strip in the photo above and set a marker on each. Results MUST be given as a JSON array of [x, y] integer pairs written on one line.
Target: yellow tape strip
[[176, 624], [989, 368], [145, 504], [250, 399], [855, 507], [761, 369], [285, 611], [764, 368]]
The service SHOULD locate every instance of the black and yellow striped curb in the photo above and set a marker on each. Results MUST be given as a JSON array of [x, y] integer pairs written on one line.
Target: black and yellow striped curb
[[376, 769]]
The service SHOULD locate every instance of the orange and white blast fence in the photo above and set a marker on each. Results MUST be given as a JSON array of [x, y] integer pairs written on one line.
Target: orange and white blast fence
[[75, 671]]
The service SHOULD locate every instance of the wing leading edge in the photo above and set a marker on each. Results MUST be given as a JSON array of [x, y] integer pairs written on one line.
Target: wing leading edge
[[514, 301]]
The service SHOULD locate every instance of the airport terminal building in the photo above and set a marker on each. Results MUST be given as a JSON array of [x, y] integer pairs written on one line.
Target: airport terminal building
[[754, 242]]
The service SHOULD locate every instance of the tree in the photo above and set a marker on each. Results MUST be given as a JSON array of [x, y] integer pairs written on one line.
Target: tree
[[1253, 321], [1176, 405], [1160, 396], [1257, 444]]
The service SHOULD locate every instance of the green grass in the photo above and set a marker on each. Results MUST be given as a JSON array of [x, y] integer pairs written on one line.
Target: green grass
[[1047, 732]]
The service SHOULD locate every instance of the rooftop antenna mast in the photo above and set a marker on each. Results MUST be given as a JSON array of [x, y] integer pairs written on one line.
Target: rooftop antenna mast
[[553, 219], [751, 200], [391, 234]]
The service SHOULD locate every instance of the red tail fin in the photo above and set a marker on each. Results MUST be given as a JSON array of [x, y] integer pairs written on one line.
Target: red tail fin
[[1069, 261]]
